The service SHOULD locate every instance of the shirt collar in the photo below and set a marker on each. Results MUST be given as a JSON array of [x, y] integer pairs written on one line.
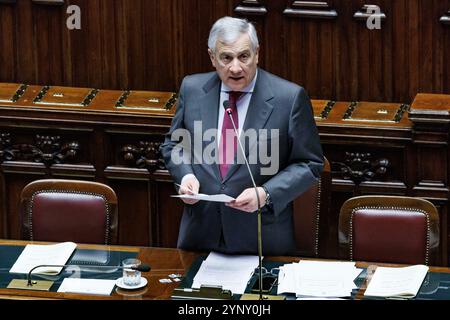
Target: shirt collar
[[248, 89]]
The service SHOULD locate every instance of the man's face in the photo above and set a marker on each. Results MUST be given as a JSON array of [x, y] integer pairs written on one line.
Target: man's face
[[235, 63]]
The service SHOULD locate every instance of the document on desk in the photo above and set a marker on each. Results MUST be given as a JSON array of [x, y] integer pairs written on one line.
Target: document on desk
[[397, 282], [204, 197], [34, 255], [87, 286], [229, 271], [318, 279]]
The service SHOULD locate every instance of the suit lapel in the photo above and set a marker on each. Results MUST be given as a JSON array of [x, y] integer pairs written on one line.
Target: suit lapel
[[258, 113], [260, 108], [210, 112]]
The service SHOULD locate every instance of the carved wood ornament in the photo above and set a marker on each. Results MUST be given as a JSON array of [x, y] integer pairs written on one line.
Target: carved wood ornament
[[360, 167], [48, 150], [144, 155]]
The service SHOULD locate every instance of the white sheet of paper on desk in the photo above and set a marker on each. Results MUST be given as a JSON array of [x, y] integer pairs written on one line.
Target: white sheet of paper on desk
[[205, 197], [87, 286], [318, 279], [231, 272], [34, 255], [397, 282]]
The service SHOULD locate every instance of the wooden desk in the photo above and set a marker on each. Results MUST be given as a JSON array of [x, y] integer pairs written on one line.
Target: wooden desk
[[163, 263]]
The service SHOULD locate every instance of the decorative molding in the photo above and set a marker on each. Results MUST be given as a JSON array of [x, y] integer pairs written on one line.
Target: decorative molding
[[41, 94], [360, 167], [87, 100], [367, 11], [171, 102], [326, 111], [6, 153], [311, 9], [400, 112], [120, 104], [445, 19], [48, 150], [17, 95], [351, 108], [49, 2], [396, 119], [145, 155], [251, 7]]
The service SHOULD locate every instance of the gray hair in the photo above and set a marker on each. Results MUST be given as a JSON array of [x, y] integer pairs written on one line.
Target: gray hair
[[228, 30]]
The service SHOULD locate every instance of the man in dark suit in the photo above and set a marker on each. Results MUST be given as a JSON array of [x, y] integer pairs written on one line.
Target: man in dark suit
[[201, 153]]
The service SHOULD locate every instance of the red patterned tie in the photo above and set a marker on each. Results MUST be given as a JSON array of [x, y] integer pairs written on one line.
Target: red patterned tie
[[228, 141]]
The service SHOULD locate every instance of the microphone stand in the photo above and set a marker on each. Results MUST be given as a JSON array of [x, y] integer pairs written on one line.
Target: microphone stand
[[229, 111]]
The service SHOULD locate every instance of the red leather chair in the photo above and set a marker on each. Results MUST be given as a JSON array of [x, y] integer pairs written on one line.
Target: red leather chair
[[389, 229], [310, 212], [69, 210]]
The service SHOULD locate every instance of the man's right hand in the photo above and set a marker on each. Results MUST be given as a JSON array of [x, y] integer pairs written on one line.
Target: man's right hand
[[191, 186]]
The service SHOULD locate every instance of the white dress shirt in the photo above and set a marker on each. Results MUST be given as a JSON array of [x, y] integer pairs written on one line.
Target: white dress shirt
[[242, 106]]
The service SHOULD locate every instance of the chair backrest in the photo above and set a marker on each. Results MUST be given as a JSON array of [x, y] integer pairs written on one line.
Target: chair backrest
[[390, 229], [69, 210], [309, 210]]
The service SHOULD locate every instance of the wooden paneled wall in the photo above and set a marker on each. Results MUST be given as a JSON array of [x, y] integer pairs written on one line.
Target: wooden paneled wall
[[153, 44]]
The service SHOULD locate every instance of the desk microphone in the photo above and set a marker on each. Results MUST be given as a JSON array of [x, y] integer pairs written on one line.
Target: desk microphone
[[229, 111], [30, 283]]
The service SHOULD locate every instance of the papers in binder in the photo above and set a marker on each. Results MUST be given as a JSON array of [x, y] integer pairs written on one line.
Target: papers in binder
[[397, 282], [34, 255]]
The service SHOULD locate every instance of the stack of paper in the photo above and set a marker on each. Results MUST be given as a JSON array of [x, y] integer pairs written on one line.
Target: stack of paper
[[230, 272], [397, 282], [318, 279]]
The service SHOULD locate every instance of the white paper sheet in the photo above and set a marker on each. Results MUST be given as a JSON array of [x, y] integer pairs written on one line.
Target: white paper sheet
[[204, 197], [87, 286], [230, 272], [34, 255], [397, 282]]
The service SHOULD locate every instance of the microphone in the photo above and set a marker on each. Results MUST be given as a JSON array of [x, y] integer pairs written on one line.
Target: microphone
[[30, 283], [229, 111]]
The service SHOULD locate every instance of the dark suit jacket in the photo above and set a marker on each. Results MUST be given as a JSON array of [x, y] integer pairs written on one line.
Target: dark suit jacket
[[275, 104]]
